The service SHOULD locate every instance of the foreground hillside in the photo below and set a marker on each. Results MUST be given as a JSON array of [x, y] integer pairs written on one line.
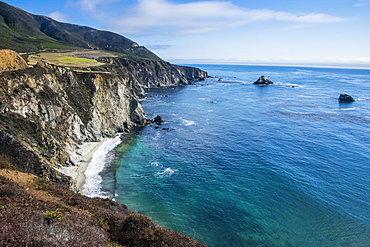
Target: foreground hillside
[[37, 212]]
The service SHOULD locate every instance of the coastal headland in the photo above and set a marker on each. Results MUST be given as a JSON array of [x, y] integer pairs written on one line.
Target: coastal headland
[[54, 118], [60, 99]]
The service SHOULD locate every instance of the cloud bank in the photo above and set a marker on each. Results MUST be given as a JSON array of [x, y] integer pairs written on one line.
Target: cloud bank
[[165, 17], [91, 6], [56, 15]]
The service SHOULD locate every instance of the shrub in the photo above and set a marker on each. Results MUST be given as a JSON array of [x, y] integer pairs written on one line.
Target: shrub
[[7, 190], [140, 230], [51, 216], [114, 244], [6, 162], [137, 222], [42, 184]]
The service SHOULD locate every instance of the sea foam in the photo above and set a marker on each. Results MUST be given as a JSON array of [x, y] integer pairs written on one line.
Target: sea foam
[[100, 158], [166, 173], [187, 122]]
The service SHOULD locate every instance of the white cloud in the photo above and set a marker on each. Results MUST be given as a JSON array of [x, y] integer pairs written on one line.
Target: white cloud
[[341, 60], [92, 5], [318, 18], [158, 47], [284, 29], [56, 15], [361, 4], [163, 16]]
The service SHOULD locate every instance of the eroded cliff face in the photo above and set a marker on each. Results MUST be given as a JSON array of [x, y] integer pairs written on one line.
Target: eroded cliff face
[[46, 111], [145, 73]]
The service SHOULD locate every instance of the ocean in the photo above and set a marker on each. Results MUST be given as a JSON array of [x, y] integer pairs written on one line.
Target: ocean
[[243, 165]]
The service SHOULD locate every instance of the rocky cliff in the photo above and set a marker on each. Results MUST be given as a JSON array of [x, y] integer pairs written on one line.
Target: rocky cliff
[[46, 111], [146, 73], [10, 60]]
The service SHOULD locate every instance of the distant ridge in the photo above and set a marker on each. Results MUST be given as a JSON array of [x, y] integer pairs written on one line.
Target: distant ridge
[[25, 32]]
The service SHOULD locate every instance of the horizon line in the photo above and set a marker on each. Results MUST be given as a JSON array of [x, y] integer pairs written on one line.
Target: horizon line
[[288, 64]]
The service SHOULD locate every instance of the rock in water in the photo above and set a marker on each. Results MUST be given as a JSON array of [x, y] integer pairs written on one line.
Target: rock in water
[[158, 119], [345, 98], [263, 81]]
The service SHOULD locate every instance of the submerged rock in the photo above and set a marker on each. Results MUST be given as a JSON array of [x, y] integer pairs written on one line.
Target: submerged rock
[[263, 81], [345, 98]]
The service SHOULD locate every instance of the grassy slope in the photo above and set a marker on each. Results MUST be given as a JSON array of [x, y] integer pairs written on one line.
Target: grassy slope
[[79, 58], [24, 32], [20, 31]]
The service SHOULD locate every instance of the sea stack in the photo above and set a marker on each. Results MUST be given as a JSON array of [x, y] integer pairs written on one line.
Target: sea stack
[[263, 81], [345, 98]]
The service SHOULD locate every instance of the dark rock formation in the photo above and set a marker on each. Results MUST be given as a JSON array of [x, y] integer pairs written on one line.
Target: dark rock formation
[[345, 98], [263, 81], [158, 119]]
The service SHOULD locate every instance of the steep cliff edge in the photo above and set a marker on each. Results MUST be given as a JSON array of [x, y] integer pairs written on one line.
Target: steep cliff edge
[[146, 73], [46, 111]]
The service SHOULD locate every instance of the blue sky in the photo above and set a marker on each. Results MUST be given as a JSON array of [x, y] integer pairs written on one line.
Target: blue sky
[[294, 32]]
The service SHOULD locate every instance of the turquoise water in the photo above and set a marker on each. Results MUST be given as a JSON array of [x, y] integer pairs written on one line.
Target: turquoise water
[[242, 165]]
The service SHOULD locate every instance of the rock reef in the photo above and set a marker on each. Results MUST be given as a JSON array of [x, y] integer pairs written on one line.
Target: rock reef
[[263, 81]]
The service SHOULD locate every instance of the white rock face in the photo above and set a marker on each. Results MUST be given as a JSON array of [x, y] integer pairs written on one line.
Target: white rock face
[[52, 109]]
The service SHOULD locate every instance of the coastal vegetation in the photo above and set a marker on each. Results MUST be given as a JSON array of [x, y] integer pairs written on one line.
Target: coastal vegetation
[[27, 33], [37, 212], [81, 58]]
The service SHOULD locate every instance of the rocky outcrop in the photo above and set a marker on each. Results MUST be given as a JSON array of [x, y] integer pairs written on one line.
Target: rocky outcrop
[[158, 119], [263, 81], [143, 73], [10, 60], [345, 98], [46, 111]]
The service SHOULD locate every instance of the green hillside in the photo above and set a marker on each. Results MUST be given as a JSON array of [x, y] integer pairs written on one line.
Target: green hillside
[[25, 32]]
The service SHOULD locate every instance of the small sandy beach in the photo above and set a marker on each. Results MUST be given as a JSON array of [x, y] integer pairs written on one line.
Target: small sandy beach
[[78, 172]]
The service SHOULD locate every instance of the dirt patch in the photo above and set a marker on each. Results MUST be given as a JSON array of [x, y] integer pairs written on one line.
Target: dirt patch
[[10, 60], [31, 184]]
